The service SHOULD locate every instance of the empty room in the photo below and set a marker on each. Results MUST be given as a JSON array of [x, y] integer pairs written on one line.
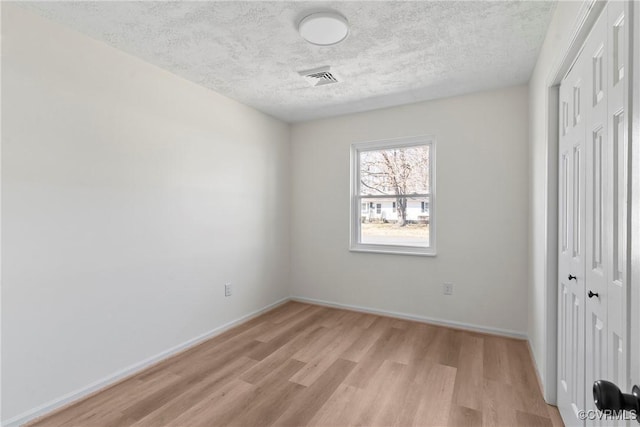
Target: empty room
[[293, 213]]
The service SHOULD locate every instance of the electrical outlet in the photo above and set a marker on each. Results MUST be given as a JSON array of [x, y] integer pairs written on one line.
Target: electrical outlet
[[447, 288], [227, 289]]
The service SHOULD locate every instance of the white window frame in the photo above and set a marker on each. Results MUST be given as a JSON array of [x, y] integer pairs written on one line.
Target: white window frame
[[354, 242]]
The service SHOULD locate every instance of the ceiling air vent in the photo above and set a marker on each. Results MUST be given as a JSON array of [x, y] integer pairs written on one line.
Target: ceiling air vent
[[319, 76]]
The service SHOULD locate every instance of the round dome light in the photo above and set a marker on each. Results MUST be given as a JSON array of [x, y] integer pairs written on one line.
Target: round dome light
[[324, 28]]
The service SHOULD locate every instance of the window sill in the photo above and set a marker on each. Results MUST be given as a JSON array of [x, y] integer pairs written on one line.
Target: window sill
[[394, 250]]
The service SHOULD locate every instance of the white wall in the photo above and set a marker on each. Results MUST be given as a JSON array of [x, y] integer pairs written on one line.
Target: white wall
[[482, 212], [543, 194], [129, 197]]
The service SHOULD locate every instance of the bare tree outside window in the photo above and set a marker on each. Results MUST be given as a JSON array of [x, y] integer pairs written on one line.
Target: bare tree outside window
[[403, 172]]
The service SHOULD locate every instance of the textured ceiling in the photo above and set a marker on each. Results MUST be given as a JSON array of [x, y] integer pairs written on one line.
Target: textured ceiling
[[396, 53]]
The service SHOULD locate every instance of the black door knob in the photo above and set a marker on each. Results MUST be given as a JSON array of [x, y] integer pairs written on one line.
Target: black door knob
[[607, 396], [571, 277], [593, 294]]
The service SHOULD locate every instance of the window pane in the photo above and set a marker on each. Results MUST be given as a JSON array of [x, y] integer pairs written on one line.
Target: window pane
[[406, 224], [394, 171]]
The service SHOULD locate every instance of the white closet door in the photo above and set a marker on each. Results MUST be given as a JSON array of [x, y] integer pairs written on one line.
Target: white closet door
[[571, 265], [617, 200], [596, 69], [594, 173]]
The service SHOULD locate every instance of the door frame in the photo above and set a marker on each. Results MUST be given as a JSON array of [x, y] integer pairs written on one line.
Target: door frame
[[634, 197], [587, 16]]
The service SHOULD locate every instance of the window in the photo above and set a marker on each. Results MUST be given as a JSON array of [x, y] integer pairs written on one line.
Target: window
[[396, 179]]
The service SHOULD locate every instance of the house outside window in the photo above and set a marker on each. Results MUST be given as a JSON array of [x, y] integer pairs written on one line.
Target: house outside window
[[396, 178]]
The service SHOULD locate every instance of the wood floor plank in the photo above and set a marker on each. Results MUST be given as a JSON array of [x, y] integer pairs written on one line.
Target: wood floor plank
[[519, 399], [417, 390], [468, 388], [401, 345], [330, 414], [301, 320], [496, 360], [267, 405], [435, 407], [318, 345], [112, 397], [498, 405], [307, 365], [282, 311], [423, 337], [213, 359], [278, 357], [445, 348], [350, 410], [351, 320], [325, 357], [215, 406], [333, 318], [119, 403], [220, 349], [384, 395], [314, 397], [465, 417], [400, 324], [271, 396], [373, 359], [367, 338], [284, 335], [530, 420], [554, 415], [290, 311], [180, 403], [525, 378], [364, 321]]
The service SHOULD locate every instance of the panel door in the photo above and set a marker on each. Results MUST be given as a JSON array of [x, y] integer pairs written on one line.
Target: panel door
[[593, 208], [571, 265], [617, 200], [597, 264]]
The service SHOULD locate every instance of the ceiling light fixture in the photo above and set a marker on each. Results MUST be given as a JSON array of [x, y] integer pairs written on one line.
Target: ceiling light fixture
[[324, 28]]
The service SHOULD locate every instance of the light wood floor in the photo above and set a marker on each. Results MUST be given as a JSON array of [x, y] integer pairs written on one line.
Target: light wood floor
[[304, 365]]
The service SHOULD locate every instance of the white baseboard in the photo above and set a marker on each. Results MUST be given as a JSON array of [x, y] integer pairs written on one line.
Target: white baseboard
[[424, 319], [130, 370], [537, 371]]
